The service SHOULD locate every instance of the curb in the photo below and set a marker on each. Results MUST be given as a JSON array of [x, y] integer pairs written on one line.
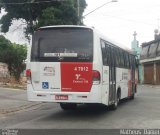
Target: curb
[[10, 88], [151, 86]]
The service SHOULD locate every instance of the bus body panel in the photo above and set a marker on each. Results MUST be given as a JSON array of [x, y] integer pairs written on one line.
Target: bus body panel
[[122, 81], [46, 76], [105, 85], [94, 96], [58, 74], [73, 97]]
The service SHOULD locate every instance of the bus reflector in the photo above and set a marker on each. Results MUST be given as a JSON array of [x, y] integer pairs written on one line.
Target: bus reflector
[[28, 75], [96, 77]]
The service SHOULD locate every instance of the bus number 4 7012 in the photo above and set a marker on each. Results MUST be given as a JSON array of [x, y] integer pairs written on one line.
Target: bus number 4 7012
[[81, 69]]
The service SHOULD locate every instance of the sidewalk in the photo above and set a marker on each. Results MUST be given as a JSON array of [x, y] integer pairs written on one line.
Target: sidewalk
[[13, 86], [14, 100], [152, 86]]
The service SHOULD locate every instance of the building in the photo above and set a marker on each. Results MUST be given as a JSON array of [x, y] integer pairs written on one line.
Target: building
[[150, 60], [137, 51]]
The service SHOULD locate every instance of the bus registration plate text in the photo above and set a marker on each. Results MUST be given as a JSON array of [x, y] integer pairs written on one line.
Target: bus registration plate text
[[61, 97]]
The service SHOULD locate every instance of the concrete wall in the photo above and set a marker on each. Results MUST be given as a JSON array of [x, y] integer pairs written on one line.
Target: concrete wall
[[3, 70]]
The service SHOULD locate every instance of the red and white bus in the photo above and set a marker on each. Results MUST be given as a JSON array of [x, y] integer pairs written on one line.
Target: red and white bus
[[71, 65]]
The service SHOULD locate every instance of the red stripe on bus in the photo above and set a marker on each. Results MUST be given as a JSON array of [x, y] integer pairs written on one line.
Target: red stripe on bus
[[76, 77]]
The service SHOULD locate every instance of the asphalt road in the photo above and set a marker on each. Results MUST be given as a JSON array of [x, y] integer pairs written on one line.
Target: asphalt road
[[142, 112]]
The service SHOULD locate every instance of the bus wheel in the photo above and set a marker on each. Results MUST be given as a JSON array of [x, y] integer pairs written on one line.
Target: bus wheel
[[115, 105], [68, 106]]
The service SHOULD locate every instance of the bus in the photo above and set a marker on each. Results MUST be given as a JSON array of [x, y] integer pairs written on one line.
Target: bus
[[73, 65]]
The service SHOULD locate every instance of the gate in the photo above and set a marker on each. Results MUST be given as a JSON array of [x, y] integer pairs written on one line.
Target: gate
[[149, 73]]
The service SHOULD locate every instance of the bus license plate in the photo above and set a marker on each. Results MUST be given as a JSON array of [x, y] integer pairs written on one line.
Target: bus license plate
[[61, 97]]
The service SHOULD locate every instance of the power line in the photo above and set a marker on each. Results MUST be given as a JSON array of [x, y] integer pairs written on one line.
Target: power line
[[126, 19], [36, 2], [130, 20]]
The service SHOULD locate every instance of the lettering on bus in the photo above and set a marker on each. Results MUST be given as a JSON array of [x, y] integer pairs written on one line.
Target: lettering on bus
[[60, 54], [79, 79], [124, 76], [49, 71], [85, 69]]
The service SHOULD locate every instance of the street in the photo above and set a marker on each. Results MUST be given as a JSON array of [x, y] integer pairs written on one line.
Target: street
[[142, 112]]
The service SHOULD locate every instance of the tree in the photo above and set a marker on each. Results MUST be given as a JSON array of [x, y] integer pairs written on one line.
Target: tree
[[13, 55], [38, 13], [4, 45]]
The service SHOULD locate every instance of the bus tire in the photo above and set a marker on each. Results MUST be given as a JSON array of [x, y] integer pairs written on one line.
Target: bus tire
[[115, 105], [132, 96], [68, 106]]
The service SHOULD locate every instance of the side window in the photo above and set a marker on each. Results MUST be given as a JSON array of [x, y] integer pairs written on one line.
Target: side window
[[107, 47], [105, 53], [127, 60], [104, 58], [133, 62], [121, 58], [113, 58], [124, 59], [116, 53]]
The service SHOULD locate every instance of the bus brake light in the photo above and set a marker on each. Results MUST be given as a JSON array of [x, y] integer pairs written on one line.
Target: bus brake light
[[28, 75], [96, 77]]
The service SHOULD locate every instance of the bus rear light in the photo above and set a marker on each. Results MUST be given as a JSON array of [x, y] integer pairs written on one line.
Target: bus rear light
[[96, 77], [28, 75]]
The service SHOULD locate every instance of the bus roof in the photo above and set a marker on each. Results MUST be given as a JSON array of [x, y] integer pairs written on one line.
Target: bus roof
[[65, 26]]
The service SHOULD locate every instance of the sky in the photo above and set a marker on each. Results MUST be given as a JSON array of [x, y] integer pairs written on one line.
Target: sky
[[119, 20], [116, 20]]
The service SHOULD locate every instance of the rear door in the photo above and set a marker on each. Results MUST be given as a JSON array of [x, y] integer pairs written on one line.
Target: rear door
[[61, 59], [109, 70], [112, 76]]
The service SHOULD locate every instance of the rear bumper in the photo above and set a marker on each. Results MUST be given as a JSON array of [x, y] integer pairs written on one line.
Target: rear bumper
[[73, 97]]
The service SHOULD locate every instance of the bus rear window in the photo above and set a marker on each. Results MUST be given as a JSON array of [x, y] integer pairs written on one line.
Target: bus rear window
[[63, 45]]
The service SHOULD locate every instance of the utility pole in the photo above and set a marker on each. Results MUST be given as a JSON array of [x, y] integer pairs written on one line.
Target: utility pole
[[78, 8], [78, 13]]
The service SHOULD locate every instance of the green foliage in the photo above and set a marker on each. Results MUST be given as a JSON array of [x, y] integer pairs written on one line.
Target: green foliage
[[41, 14], [13, 55], [4, 45], [55, 16]]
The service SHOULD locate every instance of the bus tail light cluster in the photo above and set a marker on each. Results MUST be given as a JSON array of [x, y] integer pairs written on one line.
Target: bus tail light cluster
[[28, 75], [96, 77]]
